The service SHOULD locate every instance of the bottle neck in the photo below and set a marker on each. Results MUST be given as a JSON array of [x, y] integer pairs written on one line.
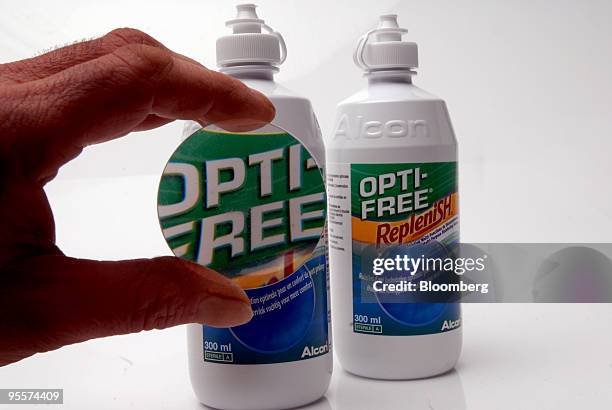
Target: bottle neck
[[251, 71], [398, 76]]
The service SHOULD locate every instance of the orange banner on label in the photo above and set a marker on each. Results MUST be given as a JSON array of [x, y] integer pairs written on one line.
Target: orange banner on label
[[409, 229]]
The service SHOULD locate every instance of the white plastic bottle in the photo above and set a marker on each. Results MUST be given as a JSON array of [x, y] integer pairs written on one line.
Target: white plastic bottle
[[285, 380], [390, 159]]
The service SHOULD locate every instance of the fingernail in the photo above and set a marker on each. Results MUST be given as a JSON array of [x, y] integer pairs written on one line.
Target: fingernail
[[241, 124], [203, 123], [216, 311], [260, 112], [268, 111]]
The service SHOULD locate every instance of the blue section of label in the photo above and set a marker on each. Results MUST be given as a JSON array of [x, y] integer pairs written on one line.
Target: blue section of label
[[408, 319], [396, 314], [290, 321]]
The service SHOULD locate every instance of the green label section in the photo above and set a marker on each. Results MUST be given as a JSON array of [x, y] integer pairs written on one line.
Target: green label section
[[235, 202], [391, 192]]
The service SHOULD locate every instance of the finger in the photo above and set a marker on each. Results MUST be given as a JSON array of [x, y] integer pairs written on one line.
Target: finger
[[110, 96], [152, 121], [53, 301], [65, 57]]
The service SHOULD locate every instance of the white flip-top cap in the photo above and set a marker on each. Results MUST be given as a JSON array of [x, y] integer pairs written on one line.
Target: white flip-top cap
[[247, 44], [382, 48]]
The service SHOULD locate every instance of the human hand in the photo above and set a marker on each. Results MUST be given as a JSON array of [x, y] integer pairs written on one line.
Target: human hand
[[51, 107]]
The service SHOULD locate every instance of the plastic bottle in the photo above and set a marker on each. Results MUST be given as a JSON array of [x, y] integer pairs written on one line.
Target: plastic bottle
[[285, 381], [388, 130]]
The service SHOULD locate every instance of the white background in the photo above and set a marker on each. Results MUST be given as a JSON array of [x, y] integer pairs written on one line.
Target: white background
[[529, 90]]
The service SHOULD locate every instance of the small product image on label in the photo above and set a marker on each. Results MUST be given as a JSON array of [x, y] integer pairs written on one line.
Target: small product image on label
[[252, 206], [395, 213]]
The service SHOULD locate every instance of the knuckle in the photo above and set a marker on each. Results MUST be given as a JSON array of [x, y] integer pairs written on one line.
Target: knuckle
[[123, 36], [142, 62]]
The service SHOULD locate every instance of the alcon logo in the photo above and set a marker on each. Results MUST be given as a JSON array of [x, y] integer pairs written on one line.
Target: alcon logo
[[310, 351], [359, 128], [451, 324]]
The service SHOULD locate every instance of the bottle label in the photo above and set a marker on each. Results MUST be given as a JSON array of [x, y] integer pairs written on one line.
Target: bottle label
[[252, 207], [380, 211]]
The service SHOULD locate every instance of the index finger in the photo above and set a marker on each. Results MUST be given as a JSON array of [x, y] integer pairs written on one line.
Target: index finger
[[52, 119]]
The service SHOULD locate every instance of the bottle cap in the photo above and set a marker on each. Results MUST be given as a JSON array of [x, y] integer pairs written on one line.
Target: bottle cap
[[382, 48], [247, 44]]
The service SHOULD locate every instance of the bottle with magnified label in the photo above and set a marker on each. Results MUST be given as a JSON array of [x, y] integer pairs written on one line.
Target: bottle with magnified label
[[258, 217], [392, 183]]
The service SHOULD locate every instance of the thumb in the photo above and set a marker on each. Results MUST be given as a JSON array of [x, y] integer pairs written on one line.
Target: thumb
[[54, 300]]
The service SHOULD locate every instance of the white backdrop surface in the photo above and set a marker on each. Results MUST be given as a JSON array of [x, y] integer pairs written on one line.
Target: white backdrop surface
[[529, 91]]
